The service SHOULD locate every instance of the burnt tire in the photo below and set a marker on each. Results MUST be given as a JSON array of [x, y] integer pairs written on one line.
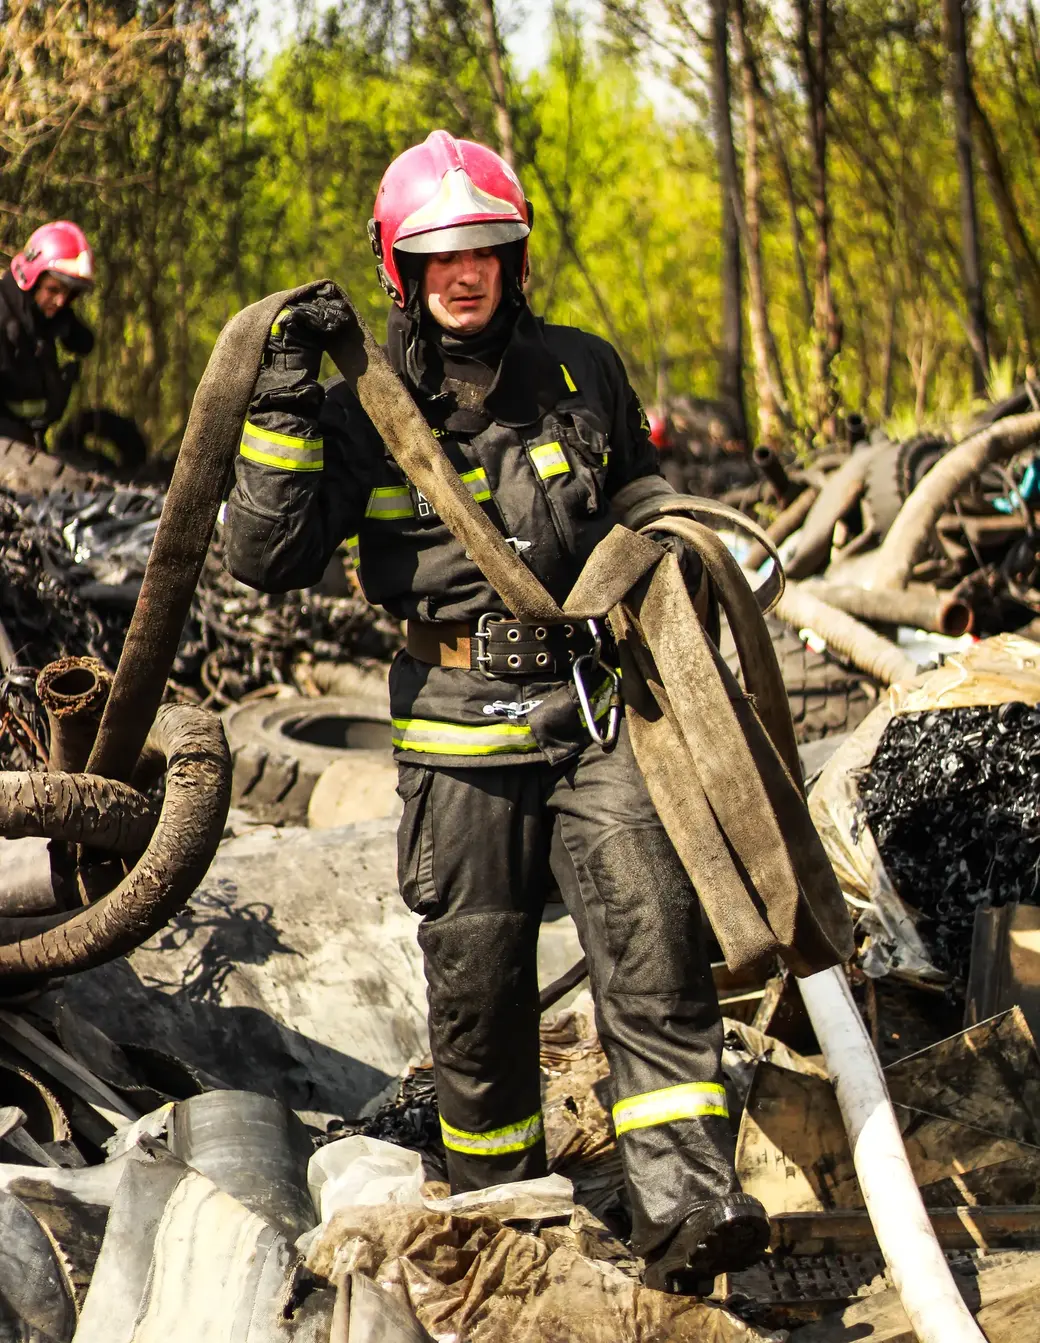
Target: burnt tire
[[280, 748], [825, 695], [894, 474], [25, 470]]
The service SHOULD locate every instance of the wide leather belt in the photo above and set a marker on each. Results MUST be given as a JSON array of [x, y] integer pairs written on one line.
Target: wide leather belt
[[499, 646]]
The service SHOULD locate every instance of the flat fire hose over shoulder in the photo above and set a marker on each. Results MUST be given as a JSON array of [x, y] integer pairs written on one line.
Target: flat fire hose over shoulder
[[719, 762]]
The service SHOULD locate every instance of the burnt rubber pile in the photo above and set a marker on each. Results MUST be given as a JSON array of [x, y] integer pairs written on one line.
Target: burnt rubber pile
[[953, 799]]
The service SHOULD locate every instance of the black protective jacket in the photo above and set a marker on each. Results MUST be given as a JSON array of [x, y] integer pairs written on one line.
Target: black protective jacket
[[34, 388], [563, 433]]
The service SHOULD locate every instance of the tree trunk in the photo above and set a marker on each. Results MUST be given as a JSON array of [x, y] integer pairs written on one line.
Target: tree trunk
[[1018, 242], [826, 328], [497, 81], [959, 88], [791, 196], [769, 421], [731, 361]]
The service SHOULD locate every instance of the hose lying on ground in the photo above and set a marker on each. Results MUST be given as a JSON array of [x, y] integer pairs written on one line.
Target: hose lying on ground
[[785, 524], [915, 1260], [178, 852], [909, 535], [921, 607], [840, 491], [848, 637]]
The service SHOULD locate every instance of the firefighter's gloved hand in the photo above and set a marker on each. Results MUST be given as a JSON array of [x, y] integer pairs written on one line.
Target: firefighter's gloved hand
[[301, 331], [690, 564]]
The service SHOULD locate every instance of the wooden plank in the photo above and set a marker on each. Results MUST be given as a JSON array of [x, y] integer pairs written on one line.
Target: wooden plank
[[962, 1228]]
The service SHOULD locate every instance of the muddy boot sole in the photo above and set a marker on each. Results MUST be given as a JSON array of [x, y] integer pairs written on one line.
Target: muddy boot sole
[[724, 1237]]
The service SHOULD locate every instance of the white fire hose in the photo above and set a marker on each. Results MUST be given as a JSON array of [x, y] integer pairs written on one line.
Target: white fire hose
[[915, 1262]]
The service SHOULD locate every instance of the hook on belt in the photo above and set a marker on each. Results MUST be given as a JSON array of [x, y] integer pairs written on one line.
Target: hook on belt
[[585, 666]]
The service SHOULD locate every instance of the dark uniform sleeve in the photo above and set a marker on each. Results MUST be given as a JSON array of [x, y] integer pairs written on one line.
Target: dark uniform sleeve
[[632, 453], [295, 496], [74, 334]]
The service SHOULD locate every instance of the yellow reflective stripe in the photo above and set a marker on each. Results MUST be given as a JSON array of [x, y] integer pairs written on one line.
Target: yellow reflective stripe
[[550, 460], [354, 551], [282, 450], [567, 378], [602, 699], [476, 482], [496, 1142], [27, 410], [389, 502], [692, 1100], [437, 738], [276, 325]]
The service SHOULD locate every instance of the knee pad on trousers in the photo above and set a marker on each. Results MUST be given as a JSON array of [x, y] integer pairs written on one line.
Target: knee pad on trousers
[[651, 913]]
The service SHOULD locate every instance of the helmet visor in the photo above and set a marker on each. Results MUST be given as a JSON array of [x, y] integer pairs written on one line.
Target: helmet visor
[[463, 237]]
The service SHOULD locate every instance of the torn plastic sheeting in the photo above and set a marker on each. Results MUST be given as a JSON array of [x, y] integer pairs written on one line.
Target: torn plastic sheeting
[[364, 1313], [360, 1170], [183, 1262], [995, 671], [471, 1278], [548, 1199]]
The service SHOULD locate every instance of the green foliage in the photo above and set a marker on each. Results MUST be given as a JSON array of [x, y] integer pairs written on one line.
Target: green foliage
[[205, 183]]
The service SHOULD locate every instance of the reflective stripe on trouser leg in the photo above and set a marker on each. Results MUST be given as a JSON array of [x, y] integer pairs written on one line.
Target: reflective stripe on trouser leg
[[495, 1142], [472, 860], [691, 1100]]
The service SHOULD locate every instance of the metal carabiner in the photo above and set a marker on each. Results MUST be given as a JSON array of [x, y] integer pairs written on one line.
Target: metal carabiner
[[605, 740]]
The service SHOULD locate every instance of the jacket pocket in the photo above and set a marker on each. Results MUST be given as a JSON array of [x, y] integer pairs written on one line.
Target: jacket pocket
[[415, 840]]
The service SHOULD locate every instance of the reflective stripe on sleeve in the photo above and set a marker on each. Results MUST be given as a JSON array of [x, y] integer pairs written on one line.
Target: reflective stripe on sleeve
[[27, 410], [476, 482], [281, 450], [567, 378], [276, 325], [354, 551], [692, 1100], [498, 1142], [435, 738], [550, 460], [390, 502]]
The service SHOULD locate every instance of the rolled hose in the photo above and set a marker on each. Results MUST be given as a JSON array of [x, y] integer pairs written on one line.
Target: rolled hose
[[878, 657], [178, 853], [918, 1268], [909, 535]]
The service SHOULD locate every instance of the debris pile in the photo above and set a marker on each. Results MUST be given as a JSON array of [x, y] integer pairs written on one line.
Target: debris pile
[[953, 799]]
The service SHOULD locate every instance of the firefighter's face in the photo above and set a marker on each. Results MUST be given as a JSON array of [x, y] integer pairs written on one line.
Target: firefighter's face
[[51, 295], [463, 289]]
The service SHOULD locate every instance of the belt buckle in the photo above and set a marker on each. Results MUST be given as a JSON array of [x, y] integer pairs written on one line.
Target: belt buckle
[[606, 740], [483, 657]]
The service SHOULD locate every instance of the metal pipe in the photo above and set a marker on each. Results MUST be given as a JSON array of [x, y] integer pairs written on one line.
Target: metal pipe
[[771, 468], [73, 692], [918, 1268], [920, 606], [878, 657]]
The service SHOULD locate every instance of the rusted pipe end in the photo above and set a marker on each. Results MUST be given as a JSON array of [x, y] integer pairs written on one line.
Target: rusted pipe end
[[73, 691], [73, 686], [955, 617]]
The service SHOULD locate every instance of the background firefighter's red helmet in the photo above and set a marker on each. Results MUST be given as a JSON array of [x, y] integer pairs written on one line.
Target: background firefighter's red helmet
[[659, 435], [60, 248], [446, 195]]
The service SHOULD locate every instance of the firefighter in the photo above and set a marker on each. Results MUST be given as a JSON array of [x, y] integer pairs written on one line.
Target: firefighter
[[36, 315], [509, 784]]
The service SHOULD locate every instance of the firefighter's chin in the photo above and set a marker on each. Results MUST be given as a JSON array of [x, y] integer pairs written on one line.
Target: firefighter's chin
[[465, 314]]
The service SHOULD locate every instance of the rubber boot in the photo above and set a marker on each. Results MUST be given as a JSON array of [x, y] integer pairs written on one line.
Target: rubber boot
[[723, 1235]]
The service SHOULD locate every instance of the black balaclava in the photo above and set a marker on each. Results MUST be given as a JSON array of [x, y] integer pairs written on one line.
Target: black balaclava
[[449, 372]]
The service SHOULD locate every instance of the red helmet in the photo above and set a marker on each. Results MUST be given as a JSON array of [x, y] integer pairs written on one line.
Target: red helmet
[[659, 435], [446, 195], [60, 248]]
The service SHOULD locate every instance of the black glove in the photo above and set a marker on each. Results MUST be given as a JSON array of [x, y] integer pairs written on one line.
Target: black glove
[[690, 563], [301, 331], [288, 382]]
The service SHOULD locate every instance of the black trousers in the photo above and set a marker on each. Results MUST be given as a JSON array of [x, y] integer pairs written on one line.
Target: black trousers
[[477, 851]]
